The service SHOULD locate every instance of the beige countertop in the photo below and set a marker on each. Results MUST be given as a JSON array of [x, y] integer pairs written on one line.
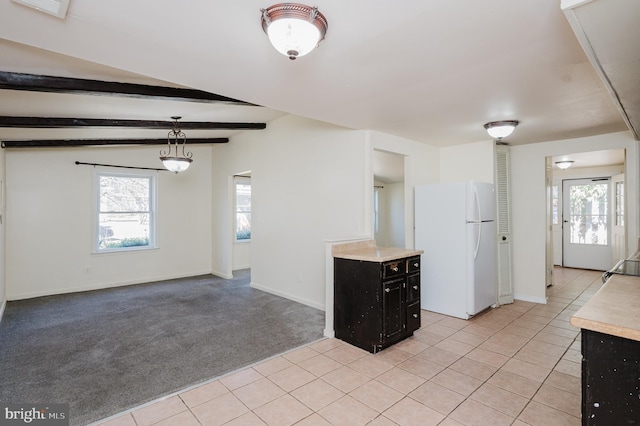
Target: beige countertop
[[377, 254], [614, 309]]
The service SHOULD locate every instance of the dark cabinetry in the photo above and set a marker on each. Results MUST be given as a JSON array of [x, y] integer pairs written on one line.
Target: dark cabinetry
[[376, 304], [610, 379]]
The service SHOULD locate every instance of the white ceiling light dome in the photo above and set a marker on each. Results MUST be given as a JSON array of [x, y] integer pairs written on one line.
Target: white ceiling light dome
[[501, 129], [294, 29]]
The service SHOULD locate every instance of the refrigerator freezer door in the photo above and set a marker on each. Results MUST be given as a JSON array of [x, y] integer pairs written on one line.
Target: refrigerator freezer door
[[481, 202]]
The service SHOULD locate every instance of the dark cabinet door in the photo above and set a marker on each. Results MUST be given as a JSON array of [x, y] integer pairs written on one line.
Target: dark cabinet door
[[393, 313]]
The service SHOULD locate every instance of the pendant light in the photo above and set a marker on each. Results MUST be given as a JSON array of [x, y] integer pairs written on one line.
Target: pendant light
[[564, 164], [294, 29], [175, 139]]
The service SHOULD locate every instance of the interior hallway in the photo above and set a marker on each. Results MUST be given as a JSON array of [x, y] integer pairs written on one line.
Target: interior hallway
[[515, 365]]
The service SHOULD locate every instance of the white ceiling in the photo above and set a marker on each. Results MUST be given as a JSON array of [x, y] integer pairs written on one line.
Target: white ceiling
[[432, 71]]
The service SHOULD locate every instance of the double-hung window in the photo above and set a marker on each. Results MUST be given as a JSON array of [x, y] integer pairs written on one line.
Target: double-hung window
[[125, 211]]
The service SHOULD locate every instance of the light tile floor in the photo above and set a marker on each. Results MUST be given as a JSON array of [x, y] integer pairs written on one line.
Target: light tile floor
[[515, 365]]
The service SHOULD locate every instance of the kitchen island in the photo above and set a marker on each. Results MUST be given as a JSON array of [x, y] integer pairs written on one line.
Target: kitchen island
[[376, 295], [610, 323]]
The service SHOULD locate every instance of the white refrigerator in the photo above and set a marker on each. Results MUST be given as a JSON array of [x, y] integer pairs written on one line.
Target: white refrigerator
[[455, 226]]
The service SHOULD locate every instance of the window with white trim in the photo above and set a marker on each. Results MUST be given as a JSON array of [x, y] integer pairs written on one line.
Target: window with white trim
[[125, 216], [243, 208]]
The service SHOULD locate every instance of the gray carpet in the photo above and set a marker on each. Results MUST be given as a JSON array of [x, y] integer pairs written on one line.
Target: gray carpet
[[106, 351]]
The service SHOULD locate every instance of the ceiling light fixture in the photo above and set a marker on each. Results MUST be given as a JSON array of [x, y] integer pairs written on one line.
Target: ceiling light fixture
[[564, 164], [501, 129], [176, 163], [294, 29]]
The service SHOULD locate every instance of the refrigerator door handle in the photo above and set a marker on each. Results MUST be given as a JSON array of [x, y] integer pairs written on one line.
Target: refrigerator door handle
[[475, 254], [477, 197]]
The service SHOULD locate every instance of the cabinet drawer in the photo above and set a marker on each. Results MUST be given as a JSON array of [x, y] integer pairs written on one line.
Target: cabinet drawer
[[413, 264], [413, 317], [393, 268], [413, 287]]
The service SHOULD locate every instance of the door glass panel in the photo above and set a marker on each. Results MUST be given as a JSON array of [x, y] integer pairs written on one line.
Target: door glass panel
[[588, 213]]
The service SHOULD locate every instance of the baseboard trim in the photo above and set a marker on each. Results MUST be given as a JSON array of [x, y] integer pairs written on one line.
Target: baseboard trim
[[288, 296], [527, 298]]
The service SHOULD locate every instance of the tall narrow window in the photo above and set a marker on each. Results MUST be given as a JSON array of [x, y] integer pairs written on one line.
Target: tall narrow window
[[619, 203], [243, 208], [555, 204], [125, 213]]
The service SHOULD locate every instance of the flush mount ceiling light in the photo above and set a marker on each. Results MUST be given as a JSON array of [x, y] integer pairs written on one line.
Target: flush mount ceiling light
[[176, 138], [501, 129], [564, 164], [294, 29]]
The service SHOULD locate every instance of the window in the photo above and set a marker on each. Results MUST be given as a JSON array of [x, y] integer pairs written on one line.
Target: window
[[619, 203], [243, 208], [125, 211], [555, 204]]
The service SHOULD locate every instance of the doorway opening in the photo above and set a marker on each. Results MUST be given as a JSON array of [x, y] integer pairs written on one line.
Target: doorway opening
[[587, 205], [388, 199]]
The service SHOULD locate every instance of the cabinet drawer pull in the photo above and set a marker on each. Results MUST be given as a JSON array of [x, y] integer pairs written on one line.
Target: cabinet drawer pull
[[394, 268], [415, 315], [415, 287], [387, 289], [415, 265]]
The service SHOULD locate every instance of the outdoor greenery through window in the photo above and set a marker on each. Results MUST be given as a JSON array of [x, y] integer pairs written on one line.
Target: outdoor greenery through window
[[243, 208], [588, 214], [125, 211]]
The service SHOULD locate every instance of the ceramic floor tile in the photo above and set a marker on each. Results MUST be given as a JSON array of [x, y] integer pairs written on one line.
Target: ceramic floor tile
[[564, 401], [525, 369], [258, 393], [421, 367], [159, 411], [283, 411], [560, 331], [452, 322], [411, 345], [319, 365], [573, 356], [401, 380], [499, 399], [186, 418], [439, 356], [515, 383], [475, 413], [370, 365], [247, 419], [468, 338], [484, 356], [292, 378], [429, 339], [440, 330], [377, 395], [473, 368], [545, 348], [325, 345], [345, 379], [300, 354], [537, 358], [345, 353], [241, 378], [123, 420], [381, 421], [272, 366], [437, 397], [314, 420], [457, 382], [409, 412], [565, 382], [317, 394], [203, 393], [571, 368], [451, 345], [554, 339], [393, 355], [536, 414], [220, 410], [348, 411]]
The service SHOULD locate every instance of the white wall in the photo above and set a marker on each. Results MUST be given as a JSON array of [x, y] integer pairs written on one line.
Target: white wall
[[308, 185], [529, 203], [473, 161], [391, 226], [49, 222]]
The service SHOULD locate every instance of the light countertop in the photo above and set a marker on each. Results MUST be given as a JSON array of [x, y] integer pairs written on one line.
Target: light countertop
[[377, 254], [614, 309]]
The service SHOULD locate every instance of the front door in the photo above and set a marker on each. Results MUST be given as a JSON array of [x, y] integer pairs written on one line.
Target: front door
[[586, 241]]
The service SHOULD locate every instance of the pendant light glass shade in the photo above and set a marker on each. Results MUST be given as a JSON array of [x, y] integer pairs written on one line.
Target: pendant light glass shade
[[171, 159], [501, 129], [565, 164], [294, 29]]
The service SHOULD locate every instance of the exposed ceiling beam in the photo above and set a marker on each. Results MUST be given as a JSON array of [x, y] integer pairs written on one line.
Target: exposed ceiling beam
[[60, 143], [44, 83], [57, 122]]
